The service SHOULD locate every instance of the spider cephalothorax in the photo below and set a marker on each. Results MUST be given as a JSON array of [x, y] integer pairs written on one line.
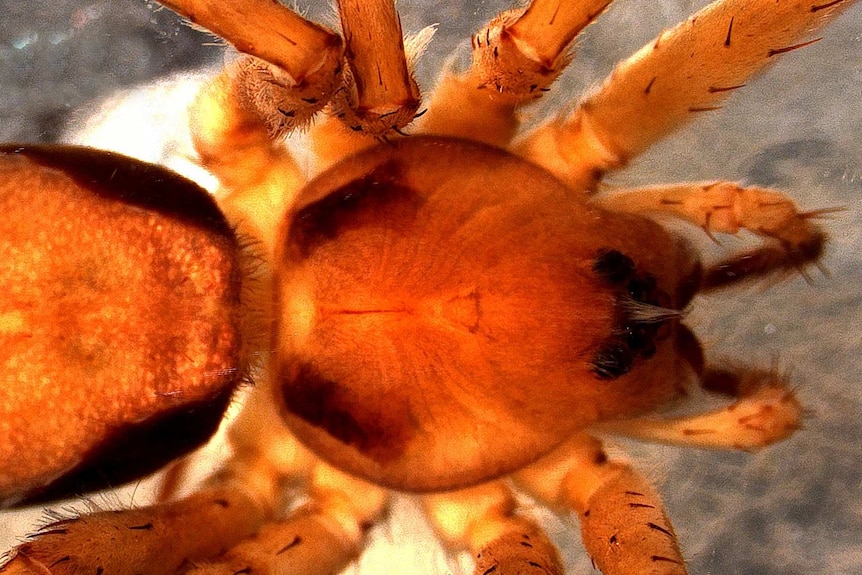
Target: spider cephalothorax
[[447, 313], [411, 274]]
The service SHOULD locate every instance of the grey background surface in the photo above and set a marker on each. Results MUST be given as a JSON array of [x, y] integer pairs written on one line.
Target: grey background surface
[[793, 509]]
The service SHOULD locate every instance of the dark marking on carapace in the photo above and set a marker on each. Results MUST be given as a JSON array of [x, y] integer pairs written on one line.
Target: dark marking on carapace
[[489, 570], [642, 289], [613, 266], [317, 400], [612, 361], [324, 403], [729, 33], [380, 198], [641, 339]]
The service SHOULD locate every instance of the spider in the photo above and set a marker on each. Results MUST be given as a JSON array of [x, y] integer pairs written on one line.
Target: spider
[[649, 316]]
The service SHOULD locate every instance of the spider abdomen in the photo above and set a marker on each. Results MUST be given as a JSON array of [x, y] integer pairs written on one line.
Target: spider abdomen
[[119, 319], [422, 287]]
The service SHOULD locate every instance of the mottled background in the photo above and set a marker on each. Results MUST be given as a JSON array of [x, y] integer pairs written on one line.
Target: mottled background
[[793, 509]]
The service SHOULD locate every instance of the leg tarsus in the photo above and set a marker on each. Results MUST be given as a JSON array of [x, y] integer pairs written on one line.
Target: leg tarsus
[[792, 238], [765, 261], [306, 55], [270, 94], [379, 95], [766, 412]]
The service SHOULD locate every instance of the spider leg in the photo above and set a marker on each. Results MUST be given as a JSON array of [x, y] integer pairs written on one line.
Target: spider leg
[[623, 523], [156, 540], [320, 538], [238, 506], [515, 59], [258, 176], [299, 66], [484, 520], [379, 95], [322, 535], [793, 239], [765, 412], [686, 71], [161, 539]]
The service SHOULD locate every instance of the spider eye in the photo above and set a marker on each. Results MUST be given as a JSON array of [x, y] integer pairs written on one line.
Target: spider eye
[[614, 266], [119, 340], [613, 360]]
